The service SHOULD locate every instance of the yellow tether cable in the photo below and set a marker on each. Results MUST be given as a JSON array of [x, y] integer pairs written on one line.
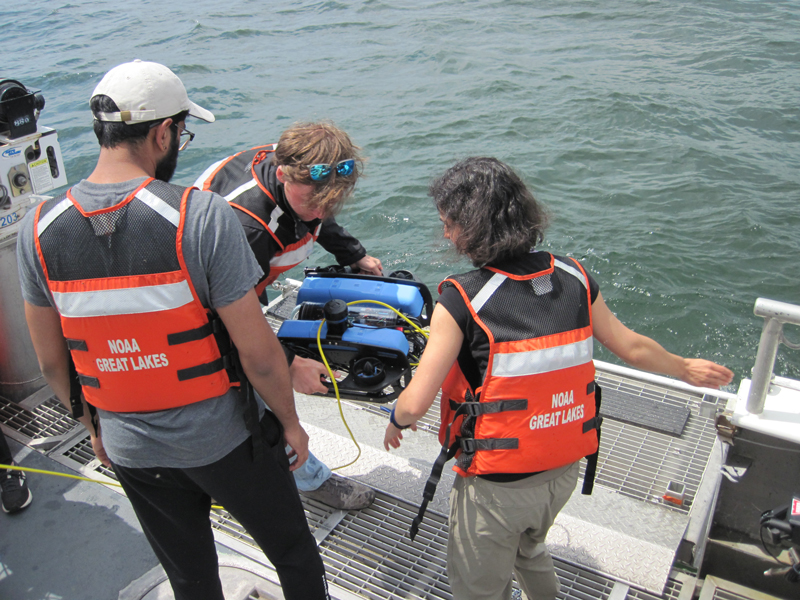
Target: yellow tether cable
[[57, 474], [338, 398], [333, 379], [68, 476]]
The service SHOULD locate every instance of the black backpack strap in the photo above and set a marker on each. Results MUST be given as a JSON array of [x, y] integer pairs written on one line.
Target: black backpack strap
[[230, 361], [445, 454], [75, 404], [76, 381], [591, 460]]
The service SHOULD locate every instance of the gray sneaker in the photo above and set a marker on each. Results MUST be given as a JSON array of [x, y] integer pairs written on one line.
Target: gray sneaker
[[14, 491], [341, 493]]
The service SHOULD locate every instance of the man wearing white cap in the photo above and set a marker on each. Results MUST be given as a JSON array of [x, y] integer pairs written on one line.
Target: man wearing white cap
[[130, 284]]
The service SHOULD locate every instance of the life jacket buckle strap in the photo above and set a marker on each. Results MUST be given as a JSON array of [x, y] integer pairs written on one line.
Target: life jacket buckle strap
[[217, 326], [201, 370], [473, 409], [89, 381], [229, 362], [468, 445], [472, 445], [77, 345], [75, 391], [190, 335], [476, 409], [593, 423], [445, 454]]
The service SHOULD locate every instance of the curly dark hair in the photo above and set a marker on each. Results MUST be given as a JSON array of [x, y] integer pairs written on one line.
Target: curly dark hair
[[493, 213]]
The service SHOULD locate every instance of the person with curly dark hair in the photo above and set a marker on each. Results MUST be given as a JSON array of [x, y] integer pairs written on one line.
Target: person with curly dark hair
[[511, 349]]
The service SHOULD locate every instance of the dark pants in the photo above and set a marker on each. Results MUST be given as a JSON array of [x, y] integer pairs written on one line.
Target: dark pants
[[5, 453], [173, 507]]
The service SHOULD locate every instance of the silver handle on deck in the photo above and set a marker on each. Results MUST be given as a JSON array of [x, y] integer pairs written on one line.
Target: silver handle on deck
[[775, 314]]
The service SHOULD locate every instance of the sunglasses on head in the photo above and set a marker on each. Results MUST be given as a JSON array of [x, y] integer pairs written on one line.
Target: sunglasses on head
[[322, 171]]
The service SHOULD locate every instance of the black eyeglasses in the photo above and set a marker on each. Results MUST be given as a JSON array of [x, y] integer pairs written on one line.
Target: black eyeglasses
[[186, 137]]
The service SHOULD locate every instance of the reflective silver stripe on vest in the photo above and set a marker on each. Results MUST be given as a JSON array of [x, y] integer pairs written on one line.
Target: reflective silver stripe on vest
[[124, 301], [535, 362], [488, 289], [273, 218], [248, 185], [158, 205], [293, 257], [52, 215], [572, 271], [201, 181]]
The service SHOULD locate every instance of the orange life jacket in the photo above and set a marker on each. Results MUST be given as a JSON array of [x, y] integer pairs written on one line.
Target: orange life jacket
[[535, 409], [139, 336], [236, 180]]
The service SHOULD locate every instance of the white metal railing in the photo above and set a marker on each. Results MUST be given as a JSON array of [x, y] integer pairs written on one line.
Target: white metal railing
[[775, 315]]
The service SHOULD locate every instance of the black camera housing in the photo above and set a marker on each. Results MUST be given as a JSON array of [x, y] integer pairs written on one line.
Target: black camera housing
[[18, 109]]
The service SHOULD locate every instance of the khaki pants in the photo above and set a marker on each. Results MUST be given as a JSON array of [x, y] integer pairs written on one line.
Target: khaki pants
[[497, 528]]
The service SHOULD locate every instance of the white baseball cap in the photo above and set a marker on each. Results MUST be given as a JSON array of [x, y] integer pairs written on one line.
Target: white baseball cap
[[145, 91]]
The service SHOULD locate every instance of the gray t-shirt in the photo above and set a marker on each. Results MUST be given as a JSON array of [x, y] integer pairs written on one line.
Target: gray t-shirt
[[222, 269]]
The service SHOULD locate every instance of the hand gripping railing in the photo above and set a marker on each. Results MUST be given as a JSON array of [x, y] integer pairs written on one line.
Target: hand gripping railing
[[775, 315]]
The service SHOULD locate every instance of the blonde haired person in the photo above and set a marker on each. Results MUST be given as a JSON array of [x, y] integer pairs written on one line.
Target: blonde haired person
[[286, 196]]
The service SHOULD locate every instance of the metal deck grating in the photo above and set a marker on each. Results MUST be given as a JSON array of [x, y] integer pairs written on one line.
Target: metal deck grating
[[720, 594], [49, 419], [82, 453], [672, 592], [580, 584], [640, 463], [369, 553], [316, 514]]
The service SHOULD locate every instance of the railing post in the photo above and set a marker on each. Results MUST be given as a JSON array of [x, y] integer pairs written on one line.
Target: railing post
[[775, 315], [765, 361]]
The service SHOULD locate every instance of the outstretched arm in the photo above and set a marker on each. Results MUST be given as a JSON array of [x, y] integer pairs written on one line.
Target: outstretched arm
[[440, 354], [645, 353]]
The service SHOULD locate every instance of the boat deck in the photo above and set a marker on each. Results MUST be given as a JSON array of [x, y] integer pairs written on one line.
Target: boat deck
[[81, 540]]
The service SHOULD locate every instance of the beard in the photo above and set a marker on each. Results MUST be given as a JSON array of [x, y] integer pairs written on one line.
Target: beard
[[165, 168]]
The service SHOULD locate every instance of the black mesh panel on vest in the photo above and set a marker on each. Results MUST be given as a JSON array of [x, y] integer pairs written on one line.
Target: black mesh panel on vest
[[132, 240], [521, 309], [524, 307]]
